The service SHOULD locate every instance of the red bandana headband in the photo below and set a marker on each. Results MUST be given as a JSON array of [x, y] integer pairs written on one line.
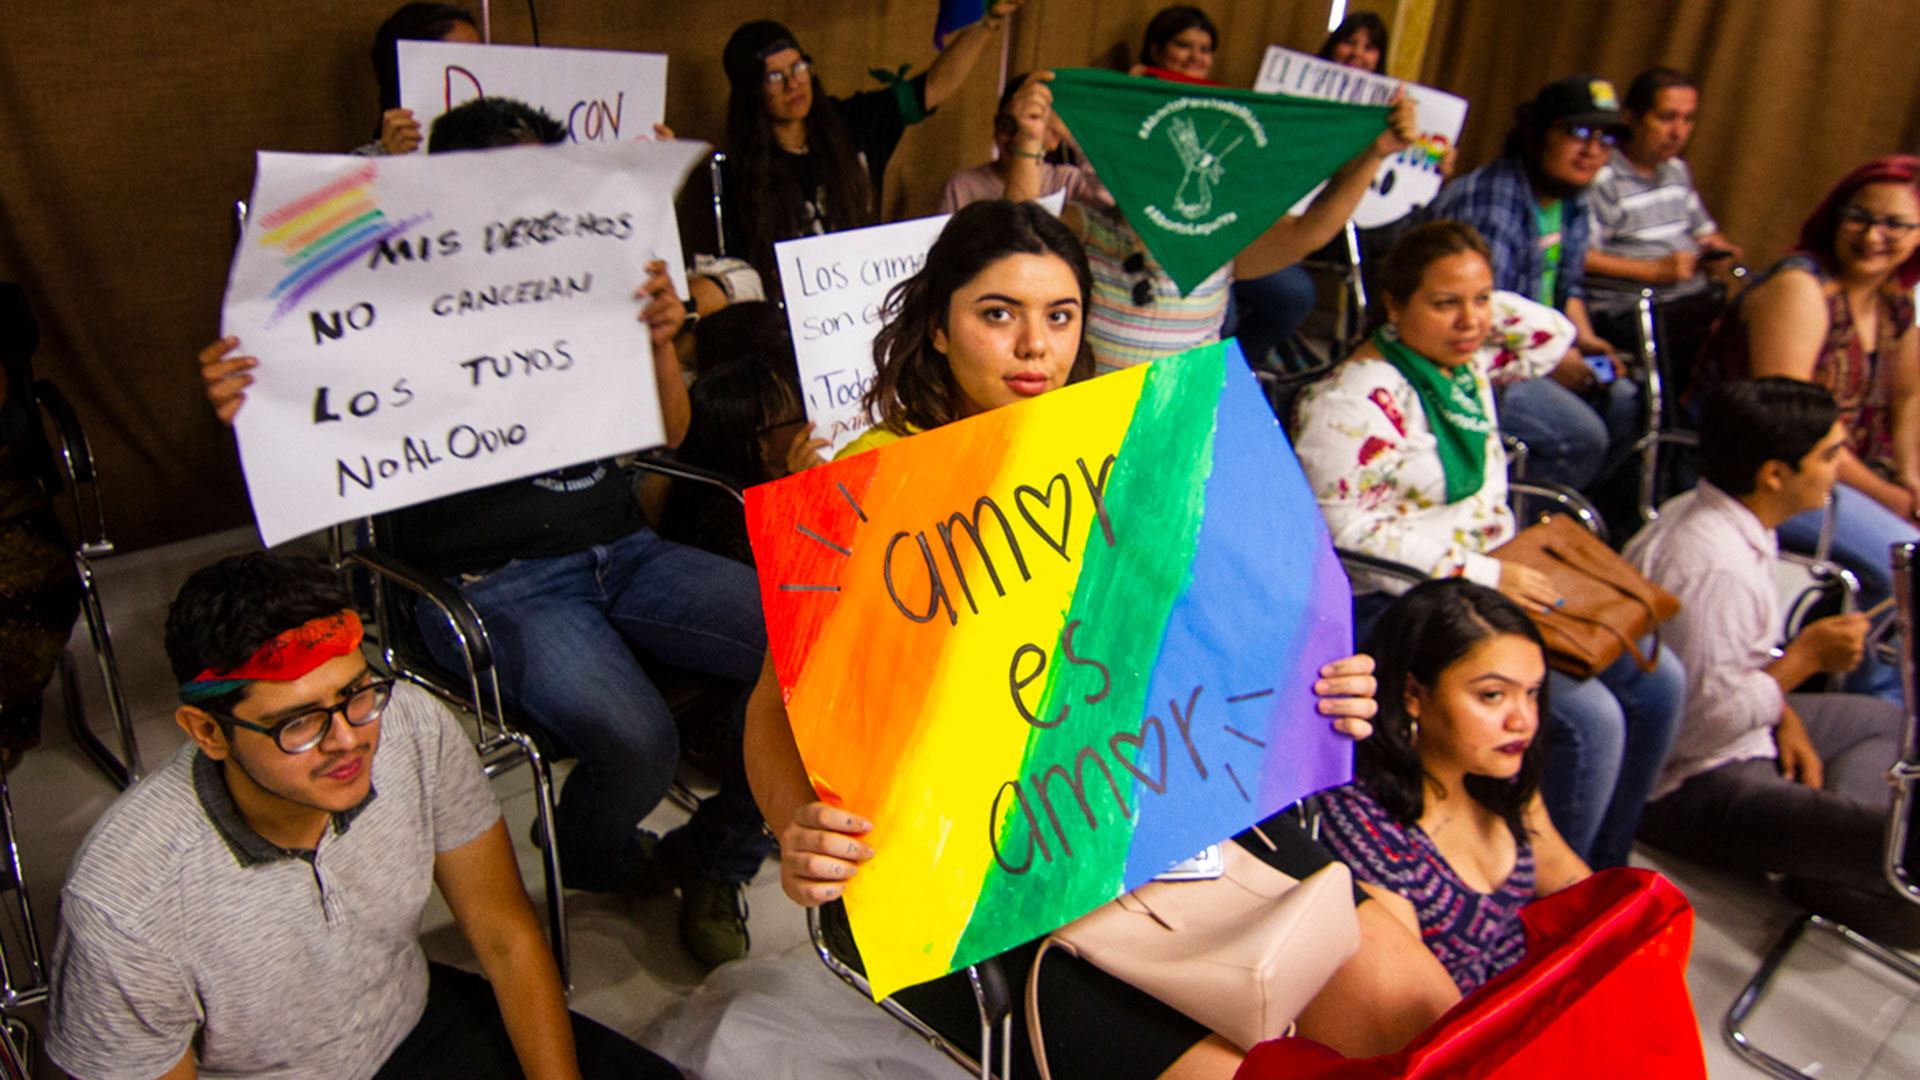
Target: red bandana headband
[[292, 654]]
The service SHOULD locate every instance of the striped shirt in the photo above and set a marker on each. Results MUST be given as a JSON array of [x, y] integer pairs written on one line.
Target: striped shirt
[[1123, 334], [1637, 217], [180, 927]]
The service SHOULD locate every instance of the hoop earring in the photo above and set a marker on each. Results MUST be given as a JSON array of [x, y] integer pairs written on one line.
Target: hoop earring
[[1391, 331]]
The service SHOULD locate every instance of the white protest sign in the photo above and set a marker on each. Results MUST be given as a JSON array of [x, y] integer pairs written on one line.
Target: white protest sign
[[836, 289], [598, 95], [1408, 179], [427, 325]]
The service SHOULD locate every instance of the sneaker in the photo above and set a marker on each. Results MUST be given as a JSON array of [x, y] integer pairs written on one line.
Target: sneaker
[[652, 874], [713, 920]]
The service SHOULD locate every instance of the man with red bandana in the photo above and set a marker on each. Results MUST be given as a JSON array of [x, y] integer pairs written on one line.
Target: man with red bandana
[[251, 908]]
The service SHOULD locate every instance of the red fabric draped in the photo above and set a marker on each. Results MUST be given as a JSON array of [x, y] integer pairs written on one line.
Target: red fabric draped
[[1602, 992]]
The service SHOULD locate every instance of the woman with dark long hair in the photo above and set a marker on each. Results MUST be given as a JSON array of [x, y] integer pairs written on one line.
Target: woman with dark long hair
[[994, 317], [1443, 819], [1360, 41], [801, 162], [399, 131]]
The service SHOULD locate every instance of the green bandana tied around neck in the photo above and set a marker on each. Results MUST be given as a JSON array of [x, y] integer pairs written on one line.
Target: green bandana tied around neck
[[1451, 400]]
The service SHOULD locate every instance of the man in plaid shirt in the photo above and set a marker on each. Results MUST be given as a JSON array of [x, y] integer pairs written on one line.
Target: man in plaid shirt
[[1580, 422]]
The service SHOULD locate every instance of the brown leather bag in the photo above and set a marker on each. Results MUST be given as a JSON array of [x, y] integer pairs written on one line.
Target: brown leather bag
[[1609, 605]]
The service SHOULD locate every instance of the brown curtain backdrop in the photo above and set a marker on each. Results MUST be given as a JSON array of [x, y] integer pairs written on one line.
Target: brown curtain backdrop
[[128, 130], [1793, 93]]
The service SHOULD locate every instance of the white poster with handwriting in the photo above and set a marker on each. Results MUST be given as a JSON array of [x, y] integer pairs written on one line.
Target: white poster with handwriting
[[1408, 179], [432, 324], [836, 290], [598, 95]]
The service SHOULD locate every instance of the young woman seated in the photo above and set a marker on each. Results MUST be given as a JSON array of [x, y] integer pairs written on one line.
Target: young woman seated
[[1443, 820], [1401, 443], [995, 316]]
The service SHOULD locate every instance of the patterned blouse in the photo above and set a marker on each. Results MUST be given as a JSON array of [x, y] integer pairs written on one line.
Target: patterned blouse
[[1856, 378], [1474, 935], [1372, 460]]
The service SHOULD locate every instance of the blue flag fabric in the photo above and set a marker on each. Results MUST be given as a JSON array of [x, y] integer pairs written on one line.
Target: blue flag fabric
[[955, 14]]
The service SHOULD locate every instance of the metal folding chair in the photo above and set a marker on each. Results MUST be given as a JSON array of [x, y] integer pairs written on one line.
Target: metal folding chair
[[1904, 775], [500, 744], [992, 1000], [75, 457], [23, 979]]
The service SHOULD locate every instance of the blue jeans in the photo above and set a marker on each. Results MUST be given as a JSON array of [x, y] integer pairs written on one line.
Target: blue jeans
[[1607, 740], [1572, 440], [1271, 308], [565, 632], [1863, 530]]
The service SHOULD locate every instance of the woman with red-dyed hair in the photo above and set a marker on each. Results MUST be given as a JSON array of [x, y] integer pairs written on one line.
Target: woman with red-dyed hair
[[1838, 311]]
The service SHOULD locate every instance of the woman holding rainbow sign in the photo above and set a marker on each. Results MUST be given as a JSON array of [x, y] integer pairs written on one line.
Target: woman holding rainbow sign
[[996, 316]]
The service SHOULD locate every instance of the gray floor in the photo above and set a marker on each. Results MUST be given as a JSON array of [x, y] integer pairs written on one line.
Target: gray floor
[[1840, 1017]]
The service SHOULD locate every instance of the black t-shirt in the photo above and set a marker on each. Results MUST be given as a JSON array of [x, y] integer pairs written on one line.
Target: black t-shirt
[[555, 514], [875, 120]]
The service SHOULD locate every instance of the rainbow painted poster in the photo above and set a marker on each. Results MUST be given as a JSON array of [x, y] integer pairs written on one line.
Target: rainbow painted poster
[[1052, 650], [427, 324]]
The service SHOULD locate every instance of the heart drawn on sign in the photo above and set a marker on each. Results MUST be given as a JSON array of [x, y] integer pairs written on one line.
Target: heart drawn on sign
[[1157, 785], [1045, 498]]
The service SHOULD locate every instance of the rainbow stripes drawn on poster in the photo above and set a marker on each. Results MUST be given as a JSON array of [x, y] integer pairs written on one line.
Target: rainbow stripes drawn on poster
[[1052, 650], [324, 231]]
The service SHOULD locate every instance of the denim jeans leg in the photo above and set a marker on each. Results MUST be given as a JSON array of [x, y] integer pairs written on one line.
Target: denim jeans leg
[[1586, 736], [565, 666], [698, 611], [1272, 308], [1651, 702], [1566, 441]]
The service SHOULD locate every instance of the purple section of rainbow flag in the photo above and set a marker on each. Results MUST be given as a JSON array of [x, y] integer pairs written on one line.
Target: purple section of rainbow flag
[[1240, 631]]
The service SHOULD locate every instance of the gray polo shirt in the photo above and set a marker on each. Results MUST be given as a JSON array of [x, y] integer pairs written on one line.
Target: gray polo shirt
[[180, 926]]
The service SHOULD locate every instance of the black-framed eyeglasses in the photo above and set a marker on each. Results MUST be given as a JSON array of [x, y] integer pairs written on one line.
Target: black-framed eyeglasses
[[302, 732], [1136, 263], [1864, 218], [801, 68], [1587, 133]]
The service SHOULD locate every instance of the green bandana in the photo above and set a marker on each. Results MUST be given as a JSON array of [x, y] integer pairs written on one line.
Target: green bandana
[[1200, 171], [1452, 403]]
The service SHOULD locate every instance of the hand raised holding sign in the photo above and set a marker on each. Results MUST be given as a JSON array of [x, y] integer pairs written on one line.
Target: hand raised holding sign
[[399, 131], [820, 851], [1403, 127], [226, 377]]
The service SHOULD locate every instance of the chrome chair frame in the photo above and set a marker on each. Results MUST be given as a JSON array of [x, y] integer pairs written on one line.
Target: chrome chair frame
[[75, 455], [499, 744], [1904, 776], [31, 987], [990, 996]]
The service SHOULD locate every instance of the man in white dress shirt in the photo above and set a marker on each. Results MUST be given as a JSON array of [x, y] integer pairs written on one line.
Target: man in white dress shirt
[[1762, 778]]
